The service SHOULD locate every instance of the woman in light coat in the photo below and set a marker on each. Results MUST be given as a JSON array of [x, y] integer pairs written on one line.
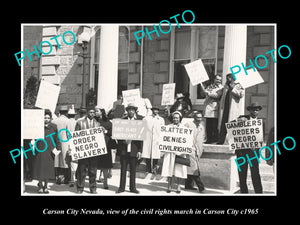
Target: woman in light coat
[[213, 95], [171, 169]]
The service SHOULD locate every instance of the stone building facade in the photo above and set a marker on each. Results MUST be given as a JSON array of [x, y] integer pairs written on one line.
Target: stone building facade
[[113, 61], [147, 66]]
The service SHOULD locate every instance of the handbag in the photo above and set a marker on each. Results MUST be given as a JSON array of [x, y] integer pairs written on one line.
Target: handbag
[[183, 161]]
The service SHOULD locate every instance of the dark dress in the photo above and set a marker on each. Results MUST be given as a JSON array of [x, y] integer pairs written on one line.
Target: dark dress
[[43, 167], [105, 161]]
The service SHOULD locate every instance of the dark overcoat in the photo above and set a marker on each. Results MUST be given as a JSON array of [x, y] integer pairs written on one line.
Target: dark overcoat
[[43, 168]]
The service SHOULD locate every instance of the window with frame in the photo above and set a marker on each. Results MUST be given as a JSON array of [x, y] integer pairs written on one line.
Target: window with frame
[[190, 43], [123, 59]]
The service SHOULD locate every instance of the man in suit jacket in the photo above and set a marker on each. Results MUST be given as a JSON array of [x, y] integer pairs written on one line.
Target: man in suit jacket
[[254, 109], [91, 163], [130, 151]]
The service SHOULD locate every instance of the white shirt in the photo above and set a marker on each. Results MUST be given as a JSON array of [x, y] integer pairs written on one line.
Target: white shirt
[[90, 122], [129, 141]]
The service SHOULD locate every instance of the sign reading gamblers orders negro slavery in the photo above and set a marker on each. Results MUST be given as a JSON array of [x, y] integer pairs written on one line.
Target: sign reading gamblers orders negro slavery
[[245, 135], [87, 143]]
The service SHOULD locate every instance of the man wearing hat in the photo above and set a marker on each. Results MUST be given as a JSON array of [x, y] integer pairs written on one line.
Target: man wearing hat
[[60, 164], [180, 105], [151, 151], [253, 109], [130, 151]]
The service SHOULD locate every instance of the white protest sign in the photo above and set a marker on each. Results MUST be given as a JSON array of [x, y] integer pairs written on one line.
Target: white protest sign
[[131, 96], [33, 123], [87, 143], [175, 139], [197, 72], [249, 80], [245, 134], [168, 93], [123, 129], [47, 96]]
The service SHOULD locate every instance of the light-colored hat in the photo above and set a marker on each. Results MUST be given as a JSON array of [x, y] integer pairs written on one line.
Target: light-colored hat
[[71, 111], [177, 112], [131, 106], [179, 95]]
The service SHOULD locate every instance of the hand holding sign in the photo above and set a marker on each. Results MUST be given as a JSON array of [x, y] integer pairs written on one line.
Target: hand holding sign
[[196, 72]]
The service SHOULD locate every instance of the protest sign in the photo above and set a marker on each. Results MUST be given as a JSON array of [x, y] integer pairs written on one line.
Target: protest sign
[[87, 143], [196, 72], [131, 96], [249, 80], [168, 93], [123, 129], [33, 123], [47, 96], [175, 139], [245, 134]]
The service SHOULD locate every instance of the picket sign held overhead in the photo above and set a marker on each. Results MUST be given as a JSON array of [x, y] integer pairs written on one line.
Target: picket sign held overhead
[[168, 93], [47, 96], [196, 72]]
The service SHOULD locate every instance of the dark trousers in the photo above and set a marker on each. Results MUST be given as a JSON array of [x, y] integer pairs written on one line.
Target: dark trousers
[[211, 129], [63, 174], [89, 164], [190, 179], [124, 161], [255, 176], [148, 164]]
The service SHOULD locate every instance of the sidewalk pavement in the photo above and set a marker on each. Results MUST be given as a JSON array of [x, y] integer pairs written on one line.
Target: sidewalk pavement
[[147, 184]]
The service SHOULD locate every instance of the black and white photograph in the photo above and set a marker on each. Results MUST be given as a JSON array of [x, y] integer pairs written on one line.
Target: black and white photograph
[[202, 118], [132, 112]]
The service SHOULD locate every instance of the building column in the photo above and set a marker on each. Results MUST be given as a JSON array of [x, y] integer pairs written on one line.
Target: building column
[[235, 49], [108, 66]]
